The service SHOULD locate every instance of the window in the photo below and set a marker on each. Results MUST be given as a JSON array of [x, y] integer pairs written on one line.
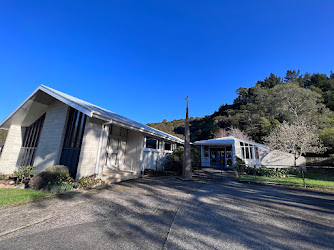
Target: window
[[124, 132], [242, 152], [30, 143], [246, 148], [257, 155], [206, 151], [249, 152], [73, 139], [152, 143], [168, 146]]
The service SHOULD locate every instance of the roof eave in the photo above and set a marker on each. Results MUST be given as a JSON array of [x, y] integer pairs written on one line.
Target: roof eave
[[136, 128]]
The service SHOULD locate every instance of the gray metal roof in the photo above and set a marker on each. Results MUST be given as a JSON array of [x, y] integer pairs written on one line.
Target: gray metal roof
[[92, 110]]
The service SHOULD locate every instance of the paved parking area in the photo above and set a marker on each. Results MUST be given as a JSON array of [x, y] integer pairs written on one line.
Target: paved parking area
[[167, 213]]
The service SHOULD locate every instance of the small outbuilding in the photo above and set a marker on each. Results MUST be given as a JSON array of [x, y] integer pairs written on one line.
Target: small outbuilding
[[223, 152]]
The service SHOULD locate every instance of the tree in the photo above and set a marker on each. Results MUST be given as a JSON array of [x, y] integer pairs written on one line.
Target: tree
[[270, 81], [327, 136], [292, 103], [298, 139], [237, 133], [292, 76], [220, 133]]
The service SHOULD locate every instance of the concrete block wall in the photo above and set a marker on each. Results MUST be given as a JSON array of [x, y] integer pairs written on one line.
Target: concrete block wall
[[52, 135], [89, 147], [102, 155], [11, 149]]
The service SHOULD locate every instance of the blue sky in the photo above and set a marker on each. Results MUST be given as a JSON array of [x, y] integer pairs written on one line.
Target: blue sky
[[142, 58]]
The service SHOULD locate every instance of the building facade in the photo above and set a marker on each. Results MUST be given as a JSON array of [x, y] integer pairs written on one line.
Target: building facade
[[223, 152], [52, 128]]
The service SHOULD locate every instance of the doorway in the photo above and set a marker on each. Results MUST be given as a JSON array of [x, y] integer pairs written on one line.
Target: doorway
[[221, 156]]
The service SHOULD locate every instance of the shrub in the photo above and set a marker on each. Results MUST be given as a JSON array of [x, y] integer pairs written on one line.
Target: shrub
[[24, 173], [175, 160], [268, 172], [58, 169], [60, 184], [37, 182], [48, 176], [88, 182], [4, 177]]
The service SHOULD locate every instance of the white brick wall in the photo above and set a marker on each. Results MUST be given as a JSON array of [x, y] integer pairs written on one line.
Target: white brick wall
[[89, 147], [51, 139], [11, 150]]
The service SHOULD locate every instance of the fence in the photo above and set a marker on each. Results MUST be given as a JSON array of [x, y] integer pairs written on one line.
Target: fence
[[309, 176]]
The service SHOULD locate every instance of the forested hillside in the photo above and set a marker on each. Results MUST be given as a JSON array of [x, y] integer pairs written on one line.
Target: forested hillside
[[259, 109]]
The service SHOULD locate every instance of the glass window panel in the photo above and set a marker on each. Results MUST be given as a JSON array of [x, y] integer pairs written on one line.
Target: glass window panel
[[151, 143], [247, 152], [114, 145], [124, 132], [213, 153], [221, 153], [168, 146], [113, 159], [30, 143], [116, 131], [221, 161], [257, 153]]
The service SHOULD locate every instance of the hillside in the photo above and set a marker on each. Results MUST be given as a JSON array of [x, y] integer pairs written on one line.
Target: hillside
[[259, 109]]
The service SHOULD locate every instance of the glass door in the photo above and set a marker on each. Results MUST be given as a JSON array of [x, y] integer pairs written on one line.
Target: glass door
[[218, 157]]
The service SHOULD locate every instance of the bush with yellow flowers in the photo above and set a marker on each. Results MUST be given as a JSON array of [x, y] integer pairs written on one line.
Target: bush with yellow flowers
[[87, 182]]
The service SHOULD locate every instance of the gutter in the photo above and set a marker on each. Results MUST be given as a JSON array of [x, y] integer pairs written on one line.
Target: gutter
[[133, 127]]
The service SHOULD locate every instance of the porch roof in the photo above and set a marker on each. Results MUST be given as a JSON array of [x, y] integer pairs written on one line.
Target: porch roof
[[92, 110], [229, 140]]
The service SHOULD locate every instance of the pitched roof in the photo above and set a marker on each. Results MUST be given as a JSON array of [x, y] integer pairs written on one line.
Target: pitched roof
[[92, 110]]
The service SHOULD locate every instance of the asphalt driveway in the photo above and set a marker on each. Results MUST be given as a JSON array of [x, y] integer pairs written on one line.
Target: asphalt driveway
[[167, 213]]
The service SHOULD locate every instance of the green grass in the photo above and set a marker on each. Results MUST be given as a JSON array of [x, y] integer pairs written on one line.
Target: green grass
[[15, 196], [313, 180]]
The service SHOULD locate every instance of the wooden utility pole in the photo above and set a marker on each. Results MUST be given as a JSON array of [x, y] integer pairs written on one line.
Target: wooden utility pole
[[187, 169]]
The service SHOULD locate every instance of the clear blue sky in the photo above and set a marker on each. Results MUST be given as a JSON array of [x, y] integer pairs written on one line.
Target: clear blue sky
[[142, 58]]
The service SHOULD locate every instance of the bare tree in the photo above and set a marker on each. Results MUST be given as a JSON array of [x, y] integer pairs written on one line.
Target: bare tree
[[297, 139], [221, 133], [237, 133]]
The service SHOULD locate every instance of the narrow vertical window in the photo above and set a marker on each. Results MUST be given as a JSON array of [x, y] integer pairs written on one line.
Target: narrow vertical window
[[30, 143], [73, 139]]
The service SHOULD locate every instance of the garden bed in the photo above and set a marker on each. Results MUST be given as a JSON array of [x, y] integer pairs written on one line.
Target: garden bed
[[12, 186]]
